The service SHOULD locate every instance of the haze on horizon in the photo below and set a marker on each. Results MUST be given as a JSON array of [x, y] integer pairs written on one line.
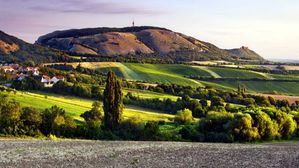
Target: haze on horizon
[[270, 27]]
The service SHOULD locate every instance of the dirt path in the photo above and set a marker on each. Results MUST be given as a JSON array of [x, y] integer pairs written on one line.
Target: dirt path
[[36, 153]]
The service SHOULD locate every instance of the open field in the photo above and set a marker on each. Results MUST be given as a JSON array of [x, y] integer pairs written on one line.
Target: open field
[[79, 153], [76, 106], [268, 87], [148, 94], [178, 74]]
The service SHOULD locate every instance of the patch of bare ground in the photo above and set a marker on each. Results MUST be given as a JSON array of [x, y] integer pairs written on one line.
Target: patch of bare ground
[[77, 153]]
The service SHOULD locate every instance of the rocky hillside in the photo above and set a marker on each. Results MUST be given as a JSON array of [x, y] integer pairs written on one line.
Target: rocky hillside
[[245, 53], [136, 41], [14, 49]]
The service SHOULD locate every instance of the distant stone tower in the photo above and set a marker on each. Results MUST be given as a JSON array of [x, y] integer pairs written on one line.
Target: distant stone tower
[[133, 24]]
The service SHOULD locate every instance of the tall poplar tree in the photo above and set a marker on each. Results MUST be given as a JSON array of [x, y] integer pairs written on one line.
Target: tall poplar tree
[[113, 102]]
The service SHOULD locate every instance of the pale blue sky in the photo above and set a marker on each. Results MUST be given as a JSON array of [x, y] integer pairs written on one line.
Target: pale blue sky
[[270, 27]]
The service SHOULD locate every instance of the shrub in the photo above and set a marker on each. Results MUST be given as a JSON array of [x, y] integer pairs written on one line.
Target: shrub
[[93, 117], [55, 121], [189, 132], [184, 116], [31, 121], [10, 113], [287, 125]]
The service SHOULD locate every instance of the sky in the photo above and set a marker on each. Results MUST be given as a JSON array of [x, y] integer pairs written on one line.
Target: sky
[[269, 27]]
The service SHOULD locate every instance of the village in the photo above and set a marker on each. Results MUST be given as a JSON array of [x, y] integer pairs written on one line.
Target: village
[[18, 72]]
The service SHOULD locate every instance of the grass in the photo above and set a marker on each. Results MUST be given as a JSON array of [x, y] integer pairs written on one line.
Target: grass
[[276, 87], [177, 74], [237, 73], [161, 73], [76, 106], [148, 94]]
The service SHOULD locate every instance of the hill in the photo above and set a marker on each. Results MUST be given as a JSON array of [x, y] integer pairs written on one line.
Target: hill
[[245, 53], [16, 50], [137, 41], [227, 78]]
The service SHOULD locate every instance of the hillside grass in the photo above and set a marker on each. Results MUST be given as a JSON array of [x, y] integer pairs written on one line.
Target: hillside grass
[[272, 87], [157, 73], [76, 106], [237, 73], [149, 95], [178, 74]]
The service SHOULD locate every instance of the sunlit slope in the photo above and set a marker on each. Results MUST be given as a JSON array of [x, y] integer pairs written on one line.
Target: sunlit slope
[[76, 106]]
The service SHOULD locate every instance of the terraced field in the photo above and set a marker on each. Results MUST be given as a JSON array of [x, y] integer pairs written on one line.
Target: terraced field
[[76, 106]]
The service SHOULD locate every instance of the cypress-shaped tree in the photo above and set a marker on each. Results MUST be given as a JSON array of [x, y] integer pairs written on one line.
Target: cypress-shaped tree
[[113, 102]]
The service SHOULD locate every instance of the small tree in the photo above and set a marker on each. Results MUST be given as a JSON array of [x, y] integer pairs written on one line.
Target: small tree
[[184, 116], [113, 102], [31, 119], [93, 117]]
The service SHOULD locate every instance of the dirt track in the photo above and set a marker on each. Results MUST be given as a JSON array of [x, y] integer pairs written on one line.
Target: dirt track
[[35, 153]]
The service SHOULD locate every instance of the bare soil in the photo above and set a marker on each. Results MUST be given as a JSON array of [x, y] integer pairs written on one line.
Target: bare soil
[[78, 153]]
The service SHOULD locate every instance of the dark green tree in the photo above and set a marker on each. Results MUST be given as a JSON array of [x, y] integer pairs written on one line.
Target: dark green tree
[[113, 102], [94, 116]]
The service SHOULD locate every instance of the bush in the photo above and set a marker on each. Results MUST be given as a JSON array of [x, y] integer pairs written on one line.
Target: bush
[[190, 132], [93, 117], [10, 113], [31, 121], [184, 116], [287, 125], [55, 121]]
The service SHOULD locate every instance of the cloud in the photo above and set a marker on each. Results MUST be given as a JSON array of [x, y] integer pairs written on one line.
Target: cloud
[[91, 7]]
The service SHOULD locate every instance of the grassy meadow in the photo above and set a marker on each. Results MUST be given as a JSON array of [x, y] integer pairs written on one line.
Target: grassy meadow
[[178, 74], [76, 106]]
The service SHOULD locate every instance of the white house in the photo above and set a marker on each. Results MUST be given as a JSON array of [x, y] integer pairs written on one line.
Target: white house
[[56, 79], [49, 82], [46, 80]]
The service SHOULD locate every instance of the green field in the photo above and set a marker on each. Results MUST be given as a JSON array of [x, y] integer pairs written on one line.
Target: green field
[[161, 73], [178, 74], [273, 87], [149, 95], [76, 106], [236, 73]]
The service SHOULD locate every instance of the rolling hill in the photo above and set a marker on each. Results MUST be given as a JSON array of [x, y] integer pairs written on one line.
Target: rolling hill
[[138, 41], [13, 49], [245, 53], [255, 82]]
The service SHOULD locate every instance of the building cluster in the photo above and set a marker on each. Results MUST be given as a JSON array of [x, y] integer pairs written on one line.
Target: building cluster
[[18, 72]]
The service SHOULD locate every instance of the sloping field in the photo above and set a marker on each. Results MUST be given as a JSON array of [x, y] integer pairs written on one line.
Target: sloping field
[[161, 73], [178, 74], [236, 73], [76, 106], [289, 88], [79, 153]]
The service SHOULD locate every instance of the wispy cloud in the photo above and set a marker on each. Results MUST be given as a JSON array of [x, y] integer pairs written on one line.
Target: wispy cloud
[[91, 7]]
